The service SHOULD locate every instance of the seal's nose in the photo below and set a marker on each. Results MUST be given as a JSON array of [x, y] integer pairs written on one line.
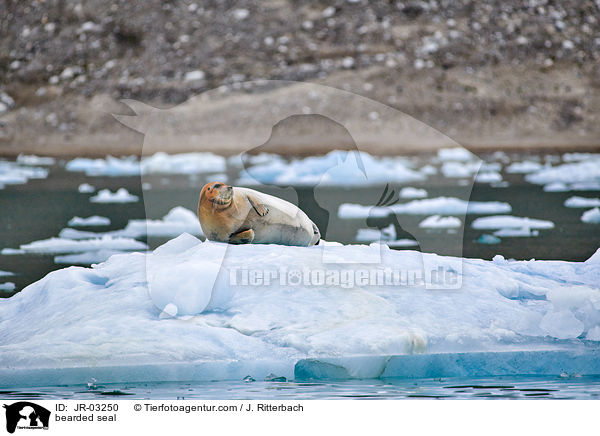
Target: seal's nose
[[230, 188]]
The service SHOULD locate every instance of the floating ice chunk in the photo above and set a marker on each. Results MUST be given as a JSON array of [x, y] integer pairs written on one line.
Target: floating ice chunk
[[428, 170], [488, 239], [488, 177], [585, 171], [61, 245], [10, 251], [586, 186], [7, 287], [410, 192], [184, 163], [523, 232], [439, 222], [35, 160], [556, 187], [110, 166], [120, 196], [86, 188], [87, 257], [179, 220], [93, 220], [439, 206], [401, 243], [455, 154], [460, 169], [337, 168], [6, 273], [372, 235], [575, 157], [582, 202], [591, 216], [512, 222], [12, 173], [524, 167]]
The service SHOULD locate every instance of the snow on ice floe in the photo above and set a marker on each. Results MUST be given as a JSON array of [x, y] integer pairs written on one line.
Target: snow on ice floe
[[591, 216], [429, 206], [12, 173], [94, 220], [582, 202], [159, 163], [510, 222], [112, 318], [63, 245], [120, 196], [410, 192], [335, 168], [439, 222], [86, 188]]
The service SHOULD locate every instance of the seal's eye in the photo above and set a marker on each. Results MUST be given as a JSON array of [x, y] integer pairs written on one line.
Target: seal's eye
[[217, 186]]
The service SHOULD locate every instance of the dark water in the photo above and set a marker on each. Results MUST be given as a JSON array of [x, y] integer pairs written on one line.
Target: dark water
[[41, 208], [524, 387]]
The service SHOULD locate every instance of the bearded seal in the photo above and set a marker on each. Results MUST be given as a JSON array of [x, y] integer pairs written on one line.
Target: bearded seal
[[245, 216]]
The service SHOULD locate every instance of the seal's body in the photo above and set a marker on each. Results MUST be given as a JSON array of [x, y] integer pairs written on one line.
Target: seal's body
[[244, 216]]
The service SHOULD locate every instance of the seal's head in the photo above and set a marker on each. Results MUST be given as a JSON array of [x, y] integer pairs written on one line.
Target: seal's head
[[217, 193]]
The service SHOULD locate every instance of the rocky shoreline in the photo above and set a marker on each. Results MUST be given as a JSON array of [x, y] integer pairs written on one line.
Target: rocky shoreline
[[488, 74]]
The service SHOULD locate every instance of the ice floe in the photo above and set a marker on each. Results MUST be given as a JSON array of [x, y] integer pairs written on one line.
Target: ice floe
[[524, 167], [591, 216], [455, 154], [6, 273], [582, 202], [159, 163], [112, 321], [86, 258], [63, 245], [429, 206], [439, 222], [410, 192], [86, 188], [387, 236], [179, 220], [120, 196], [510, 222], [12, 173], [7, 287], [335, 168], [488, 177], [94, 220], [580, 172], [33, 160], [488, 239], [521, 232]]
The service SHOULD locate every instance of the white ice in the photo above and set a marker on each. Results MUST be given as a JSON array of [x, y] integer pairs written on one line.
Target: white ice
[[63, 245], [591, 216], [587, 171], [179, 220], [511, 232], [410, 192], [33, 160], [12, 173], [93, 220], [524, 167], [439, 222], [86, 188], [582, 202], [86, 258], [7, 287], [488, 177], [455, 154], [510, 222], [6, 273], [109, 321], [429, 206], [120, 196], [335, 168]]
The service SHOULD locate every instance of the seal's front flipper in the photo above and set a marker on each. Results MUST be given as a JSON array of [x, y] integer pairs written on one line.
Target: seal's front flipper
[[260, 209], [243, 237]]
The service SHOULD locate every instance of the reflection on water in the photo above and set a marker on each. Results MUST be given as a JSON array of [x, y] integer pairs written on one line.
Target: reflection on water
[[451, 388]]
